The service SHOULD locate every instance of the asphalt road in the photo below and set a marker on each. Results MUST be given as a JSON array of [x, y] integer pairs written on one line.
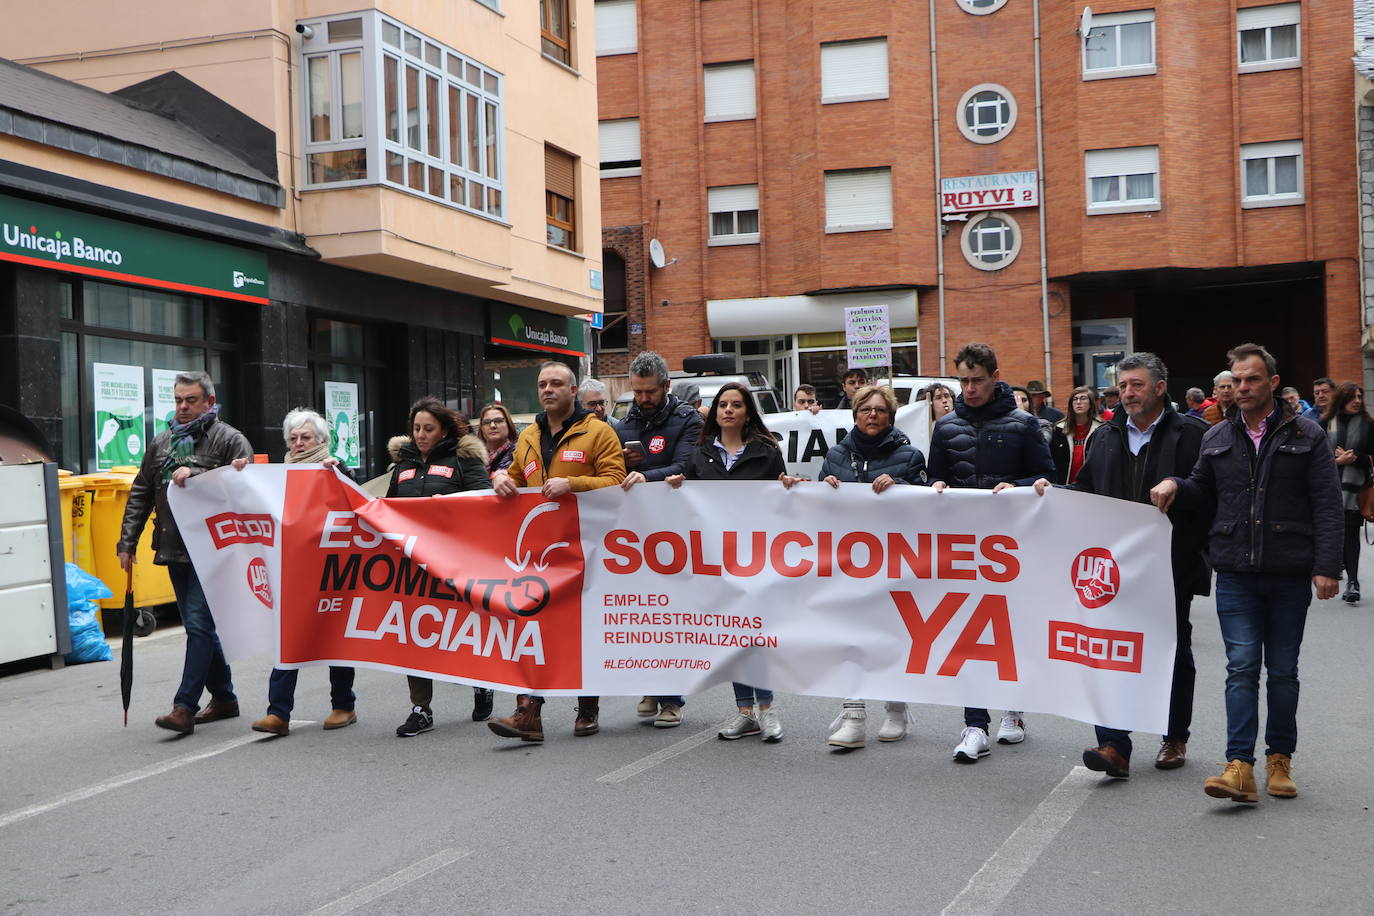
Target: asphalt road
[[95, 818]]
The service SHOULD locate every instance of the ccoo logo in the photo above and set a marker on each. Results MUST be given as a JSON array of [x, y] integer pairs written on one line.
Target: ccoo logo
[[258, 583], [1095, 576]]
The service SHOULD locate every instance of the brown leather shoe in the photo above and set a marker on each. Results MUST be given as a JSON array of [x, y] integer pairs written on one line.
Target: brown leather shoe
[[1171, 754], [1236, 782], [340, 718], [1107, 759], [179, 720], [1279, 770], [587, 710], [273, 725], [216, 710], [524, 724]]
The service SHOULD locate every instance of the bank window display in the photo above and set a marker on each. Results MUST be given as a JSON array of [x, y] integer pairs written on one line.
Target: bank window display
[[1120, 44], [385, 104], [122, 346], [991, 241], [1268, 37], [1122, 180], [1271, 174], [346, 365], [986, 113]]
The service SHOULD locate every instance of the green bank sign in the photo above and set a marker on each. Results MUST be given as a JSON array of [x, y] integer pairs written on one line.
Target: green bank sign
[[511, 326], [44, 236]]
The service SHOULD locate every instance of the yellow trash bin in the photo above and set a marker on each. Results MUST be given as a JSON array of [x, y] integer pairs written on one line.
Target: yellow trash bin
[[109, 494]]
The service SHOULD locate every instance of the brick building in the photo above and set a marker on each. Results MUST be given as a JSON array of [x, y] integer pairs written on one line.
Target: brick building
[[1193, 166]]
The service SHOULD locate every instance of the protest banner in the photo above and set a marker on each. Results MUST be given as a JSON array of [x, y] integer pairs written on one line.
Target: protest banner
[[805, 437], [1059, 604]]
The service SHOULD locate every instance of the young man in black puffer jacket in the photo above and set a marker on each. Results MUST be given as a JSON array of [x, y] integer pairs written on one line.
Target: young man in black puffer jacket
[[986, 443]]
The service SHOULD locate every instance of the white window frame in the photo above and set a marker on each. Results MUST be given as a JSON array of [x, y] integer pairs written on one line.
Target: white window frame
[[733, 199], [419, 51], [967, 129], [728, 78], [624, 39], [1267, 18], [854, 71], [1114, 21], [968, 7], [1270, 152], [619, 144], [835, 182], [971, 228], [1105, 165]]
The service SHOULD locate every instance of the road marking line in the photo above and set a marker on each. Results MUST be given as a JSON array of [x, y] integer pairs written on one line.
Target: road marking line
[[657, 757], [156, 769], [991, 884], [381, 888]]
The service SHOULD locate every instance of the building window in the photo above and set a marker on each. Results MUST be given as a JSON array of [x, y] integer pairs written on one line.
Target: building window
[[387, 105], [554, 30], [615, 27], [620, 148], [560, 196], [729, 91], [854, 71], [981, 7], [734, 214], [1268, 37], [1271, 174], [858, 200], [987, 113], [1122, 180], [615, 325], [1120, 44], [991, 240]]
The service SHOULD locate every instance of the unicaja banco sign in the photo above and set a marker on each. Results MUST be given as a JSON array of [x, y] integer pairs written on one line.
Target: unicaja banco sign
[[39, 235]]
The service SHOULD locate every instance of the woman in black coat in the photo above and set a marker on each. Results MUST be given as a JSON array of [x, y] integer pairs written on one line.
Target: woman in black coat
[[441, 457], [1351, 431]]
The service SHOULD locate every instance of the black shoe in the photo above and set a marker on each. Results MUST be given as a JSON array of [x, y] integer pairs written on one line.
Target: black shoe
[[482, 701], [1352, 591], [418, 721]]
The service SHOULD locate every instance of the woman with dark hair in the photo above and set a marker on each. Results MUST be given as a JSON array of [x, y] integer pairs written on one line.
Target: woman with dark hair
[[941, 399], [734, 444], [1069, 441], [1350, 429], [439, 458], [498, 433]]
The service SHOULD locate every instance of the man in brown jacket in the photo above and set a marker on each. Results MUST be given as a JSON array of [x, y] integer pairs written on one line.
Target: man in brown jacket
[[198, 441]]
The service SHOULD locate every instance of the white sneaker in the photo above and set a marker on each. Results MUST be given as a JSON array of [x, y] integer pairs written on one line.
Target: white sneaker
[[895, 720], [741, 726], [771, 724], [1013, 728], [972, 745], [850, 732]]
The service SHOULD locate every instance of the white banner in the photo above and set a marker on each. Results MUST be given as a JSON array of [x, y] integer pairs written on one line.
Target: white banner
[[805, 437], [1061, 604]]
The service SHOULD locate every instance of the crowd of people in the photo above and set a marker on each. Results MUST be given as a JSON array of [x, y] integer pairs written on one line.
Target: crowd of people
[[1259, 488]]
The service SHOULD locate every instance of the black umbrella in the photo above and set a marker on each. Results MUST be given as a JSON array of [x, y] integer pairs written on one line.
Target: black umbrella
[[126, 658]]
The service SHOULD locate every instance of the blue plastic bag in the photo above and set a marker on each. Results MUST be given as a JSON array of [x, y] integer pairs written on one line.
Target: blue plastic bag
[[88, 640]]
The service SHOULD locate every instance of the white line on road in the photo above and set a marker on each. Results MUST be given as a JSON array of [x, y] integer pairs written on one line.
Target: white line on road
[[991, 884], [156, 769], [657, 757], [351, 902]]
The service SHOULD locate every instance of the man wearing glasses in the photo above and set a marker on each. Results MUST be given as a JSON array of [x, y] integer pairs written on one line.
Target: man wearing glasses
[[592, 394]]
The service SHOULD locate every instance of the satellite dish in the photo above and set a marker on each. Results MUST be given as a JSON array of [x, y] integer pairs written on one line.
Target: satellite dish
[[656, 255], [1085, 22]]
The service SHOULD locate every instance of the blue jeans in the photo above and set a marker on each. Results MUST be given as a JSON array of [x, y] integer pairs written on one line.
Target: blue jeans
[[747, 696], [281, 690], [676, 701], [1180, 692], [205, 667], [1262, 618]]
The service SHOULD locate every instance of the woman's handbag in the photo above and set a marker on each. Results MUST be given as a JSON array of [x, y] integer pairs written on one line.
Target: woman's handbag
[[1367, 493]]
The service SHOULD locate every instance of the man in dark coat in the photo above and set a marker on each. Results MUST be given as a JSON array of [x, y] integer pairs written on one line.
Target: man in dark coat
[[1146, 441]]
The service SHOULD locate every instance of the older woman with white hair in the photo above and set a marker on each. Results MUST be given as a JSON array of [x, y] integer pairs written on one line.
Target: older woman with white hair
[[307, 442]]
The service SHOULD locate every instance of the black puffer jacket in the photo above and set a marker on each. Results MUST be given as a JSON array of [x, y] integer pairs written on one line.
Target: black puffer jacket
[[668, 437], [454, 465], [758, 461], [1274, 510], [895, 455], [980, 447]]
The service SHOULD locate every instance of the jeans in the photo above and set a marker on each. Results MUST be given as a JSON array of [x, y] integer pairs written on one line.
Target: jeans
[[1262, 618], [676, 701], [281, 690], [1353, 522], [747, 696], [205, 666], [1180, 692]]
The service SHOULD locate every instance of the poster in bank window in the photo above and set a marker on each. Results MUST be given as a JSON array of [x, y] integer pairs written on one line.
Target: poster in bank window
[[341, 408], [119, 427], [164, 399]]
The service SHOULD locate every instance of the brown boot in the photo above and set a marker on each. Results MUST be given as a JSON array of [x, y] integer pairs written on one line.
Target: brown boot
[[180, 719], [216, 710], [587, 710], [1279, 770], [1236, 782], [273, 725], [525, 723]]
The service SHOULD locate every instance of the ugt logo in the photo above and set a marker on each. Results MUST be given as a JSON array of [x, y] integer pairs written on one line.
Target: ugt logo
[[258, 582], [1096, 577]]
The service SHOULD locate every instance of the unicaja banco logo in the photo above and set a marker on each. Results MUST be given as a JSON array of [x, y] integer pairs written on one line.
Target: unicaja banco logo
[[1096, 577], [241, 280], [58, 247]]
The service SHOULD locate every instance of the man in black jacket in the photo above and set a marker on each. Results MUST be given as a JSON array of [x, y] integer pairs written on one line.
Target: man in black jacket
[[1267, 479], [1145, 441], [666, 430], [986, 443]]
